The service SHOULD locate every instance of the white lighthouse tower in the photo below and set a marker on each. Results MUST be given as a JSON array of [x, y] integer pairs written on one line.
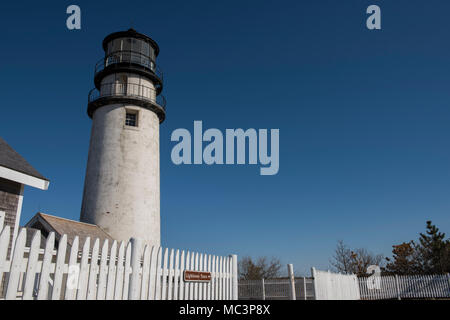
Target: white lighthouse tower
[[121, 190]]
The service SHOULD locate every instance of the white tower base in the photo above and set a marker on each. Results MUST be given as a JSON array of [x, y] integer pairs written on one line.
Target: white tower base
[[121, 193]]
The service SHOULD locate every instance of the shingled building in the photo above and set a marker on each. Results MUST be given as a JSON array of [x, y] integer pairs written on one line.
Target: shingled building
[[60, 226], [15, 174]]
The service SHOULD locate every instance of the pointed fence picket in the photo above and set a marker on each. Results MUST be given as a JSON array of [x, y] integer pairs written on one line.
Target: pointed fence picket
[[195, 297], [111, 272], [164, 276], [84, 271], [103, 272], [4, 241], [214, 279], [186, 284], [135, 260], [158, 275], [59, 268], [32, 266], [181, 285], [120, 270], [145, 273], [170, 279], [126, 270], [73, 272], [176, 275], [153, 263], [16, 266], [93, 270]]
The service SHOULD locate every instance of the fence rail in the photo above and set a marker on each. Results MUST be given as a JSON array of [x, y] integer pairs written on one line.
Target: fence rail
[[275, 289], [122, 271]]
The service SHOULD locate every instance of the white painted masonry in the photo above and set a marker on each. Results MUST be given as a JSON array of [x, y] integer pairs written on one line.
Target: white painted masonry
[[121, 193]]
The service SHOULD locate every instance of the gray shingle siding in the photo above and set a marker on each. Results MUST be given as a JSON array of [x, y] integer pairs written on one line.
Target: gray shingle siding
[[9, 199]]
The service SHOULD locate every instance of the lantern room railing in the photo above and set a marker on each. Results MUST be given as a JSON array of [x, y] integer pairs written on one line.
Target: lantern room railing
[[131, 58], [127, 90]]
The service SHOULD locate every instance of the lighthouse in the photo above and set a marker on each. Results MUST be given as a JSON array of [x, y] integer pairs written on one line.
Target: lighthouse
[[122, 189]]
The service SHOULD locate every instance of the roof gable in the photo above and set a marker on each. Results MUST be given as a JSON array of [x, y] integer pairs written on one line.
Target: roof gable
[[72, 228], [9, 158]]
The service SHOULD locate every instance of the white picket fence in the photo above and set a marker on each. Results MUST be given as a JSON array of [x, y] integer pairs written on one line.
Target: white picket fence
[[124, 271], [335, 286], [405, 287]]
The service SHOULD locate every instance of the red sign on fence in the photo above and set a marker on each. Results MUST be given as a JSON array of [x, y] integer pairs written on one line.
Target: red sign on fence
[[197, 276]]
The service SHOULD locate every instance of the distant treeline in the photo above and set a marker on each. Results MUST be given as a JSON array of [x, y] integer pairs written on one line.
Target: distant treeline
[[429, 254]]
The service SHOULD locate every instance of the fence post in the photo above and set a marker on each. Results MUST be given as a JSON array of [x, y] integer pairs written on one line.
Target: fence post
[[304, 288], [292, 281], [263, 289], [313, 275], [136, 252], [235, 295], [398, 288]]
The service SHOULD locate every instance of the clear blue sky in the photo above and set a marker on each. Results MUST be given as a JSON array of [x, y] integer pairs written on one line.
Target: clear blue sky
[[364, 116]]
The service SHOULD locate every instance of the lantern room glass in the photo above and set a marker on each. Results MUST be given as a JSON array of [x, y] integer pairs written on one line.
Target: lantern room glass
[[130, 45]]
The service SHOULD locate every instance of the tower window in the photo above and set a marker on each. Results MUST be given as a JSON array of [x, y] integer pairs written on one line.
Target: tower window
[[131, 119]]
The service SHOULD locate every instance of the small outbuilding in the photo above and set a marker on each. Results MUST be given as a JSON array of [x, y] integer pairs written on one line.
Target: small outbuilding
[[15, 174], [60, 226]]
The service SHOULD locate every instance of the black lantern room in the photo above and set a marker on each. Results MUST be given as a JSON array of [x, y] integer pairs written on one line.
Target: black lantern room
[[128, 52]]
